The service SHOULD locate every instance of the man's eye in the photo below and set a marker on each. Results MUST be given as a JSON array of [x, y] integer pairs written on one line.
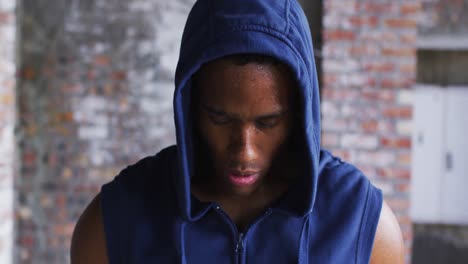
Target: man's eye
[[268, 122], [219, 119]]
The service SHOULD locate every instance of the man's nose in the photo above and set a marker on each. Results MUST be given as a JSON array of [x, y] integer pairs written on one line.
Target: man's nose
[[243, 144]]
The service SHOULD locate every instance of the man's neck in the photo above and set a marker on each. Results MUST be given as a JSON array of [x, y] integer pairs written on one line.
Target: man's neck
[[242, 209]]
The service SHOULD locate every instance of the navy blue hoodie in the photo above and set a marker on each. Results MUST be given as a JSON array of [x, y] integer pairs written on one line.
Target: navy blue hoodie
[[329, 215]]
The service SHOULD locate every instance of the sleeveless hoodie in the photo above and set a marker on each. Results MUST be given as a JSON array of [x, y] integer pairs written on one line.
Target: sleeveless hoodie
[[328, 216]]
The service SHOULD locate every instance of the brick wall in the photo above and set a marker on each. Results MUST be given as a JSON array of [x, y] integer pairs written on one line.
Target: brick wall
[[369, 62], [95, 94], [95, 87], [7, 123]]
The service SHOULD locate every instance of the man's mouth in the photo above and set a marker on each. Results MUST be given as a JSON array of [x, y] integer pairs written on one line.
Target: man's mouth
[[243, 178]]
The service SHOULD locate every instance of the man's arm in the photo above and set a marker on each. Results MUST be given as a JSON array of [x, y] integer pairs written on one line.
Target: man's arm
[[88, 242], [388, 244]]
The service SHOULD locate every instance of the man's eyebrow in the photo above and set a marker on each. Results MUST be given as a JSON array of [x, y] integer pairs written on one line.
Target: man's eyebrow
[[273, 114], [265, 116], [213, 110]]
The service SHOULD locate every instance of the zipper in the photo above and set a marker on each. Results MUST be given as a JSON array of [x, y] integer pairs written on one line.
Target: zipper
[[240, 248], [239, 245]]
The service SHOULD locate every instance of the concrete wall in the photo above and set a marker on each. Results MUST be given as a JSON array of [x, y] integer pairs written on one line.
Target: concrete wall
[[95, 94], [444, 17], [439, 244], [7, 124]]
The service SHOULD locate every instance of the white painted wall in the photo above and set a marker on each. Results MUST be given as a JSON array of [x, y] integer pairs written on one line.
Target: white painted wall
[[7, 124], [440, 155]]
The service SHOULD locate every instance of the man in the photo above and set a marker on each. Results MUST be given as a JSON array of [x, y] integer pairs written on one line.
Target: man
[[247, 181]]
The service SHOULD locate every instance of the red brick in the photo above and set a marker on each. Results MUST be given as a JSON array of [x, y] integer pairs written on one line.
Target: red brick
[[409, 68], [86, 188], [64, 230], [379, 37], [343, 154], [401, 23], [60, 201], [53, 242], [379, 67], [363, 50], [63, 117], [386, 96], [403, 187], [329, 79], [399, 52], [27, 241], [334, 124], [52, 160], [108, 89], [368, 170], [70, 88], [330, 140], [29, 158], [386, 126], [371, 81], [339, 35], [91, 75], [102, 60], [410, 8], [340, 94], [28, 73], [119, 75], [395, 142], [398, 112], [359, 141], [375, 158], [379, 8], [360, 21], [396, 82], [408, 39], [404, 158], [394, 173], [369, 126]]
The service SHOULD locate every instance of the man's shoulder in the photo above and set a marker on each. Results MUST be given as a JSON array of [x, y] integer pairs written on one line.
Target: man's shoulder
[[149, 179], [345, 192], [88, 242], [338, 174], [149, 163], [388, 243], [147, 169]]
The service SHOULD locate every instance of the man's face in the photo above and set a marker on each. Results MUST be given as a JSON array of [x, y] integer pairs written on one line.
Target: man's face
[[244, 119]]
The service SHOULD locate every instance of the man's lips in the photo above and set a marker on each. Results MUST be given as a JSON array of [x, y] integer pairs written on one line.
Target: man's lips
[[243, 178], [243, 173]]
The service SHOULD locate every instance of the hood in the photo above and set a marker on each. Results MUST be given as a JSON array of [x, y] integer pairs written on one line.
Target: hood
[[217, 28]]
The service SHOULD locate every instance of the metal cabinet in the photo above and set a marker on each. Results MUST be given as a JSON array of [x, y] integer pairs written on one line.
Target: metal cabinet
[[439, 185]]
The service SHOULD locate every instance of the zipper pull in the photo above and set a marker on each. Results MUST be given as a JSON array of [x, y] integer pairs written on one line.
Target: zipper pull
[[240, 244]]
